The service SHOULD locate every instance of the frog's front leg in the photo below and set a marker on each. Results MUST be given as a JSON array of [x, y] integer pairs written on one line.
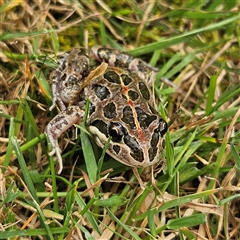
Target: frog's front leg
[[58, 125], [67, 78], [55, 76]]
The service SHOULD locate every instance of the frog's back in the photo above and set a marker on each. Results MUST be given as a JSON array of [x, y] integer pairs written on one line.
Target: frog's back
[[121, 109]]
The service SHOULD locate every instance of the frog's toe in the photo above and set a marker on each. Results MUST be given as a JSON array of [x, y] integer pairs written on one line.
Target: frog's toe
[[52, 106], [56, 150], [52, 152], [59, 157]]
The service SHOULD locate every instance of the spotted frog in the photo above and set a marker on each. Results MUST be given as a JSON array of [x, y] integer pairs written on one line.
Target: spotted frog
[[121, 104]]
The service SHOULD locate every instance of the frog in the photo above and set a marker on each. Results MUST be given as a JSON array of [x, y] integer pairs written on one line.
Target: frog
[[121, 111]]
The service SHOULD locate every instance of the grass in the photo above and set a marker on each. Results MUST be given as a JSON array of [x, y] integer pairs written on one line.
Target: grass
[[195, 44]]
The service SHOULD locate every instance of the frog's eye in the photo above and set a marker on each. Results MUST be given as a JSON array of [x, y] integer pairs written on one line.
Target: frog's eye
[[116, 131]]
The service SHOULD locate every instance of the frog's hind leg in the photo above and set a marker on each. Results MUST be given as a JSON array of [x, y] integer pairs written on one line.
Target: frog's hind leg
[[120, 59]]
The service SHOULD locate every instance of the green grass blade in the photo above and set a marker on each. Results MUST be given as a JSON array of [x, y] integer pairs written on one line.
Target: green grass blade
[[188, 221], [211, 93], [25, 171], [89, 157], [181, 200], [129, 230], [181, 38]]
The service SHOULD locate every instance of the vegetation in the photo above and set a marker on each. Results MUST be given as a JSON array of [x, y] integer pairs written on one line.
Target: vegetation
[[195, 44]]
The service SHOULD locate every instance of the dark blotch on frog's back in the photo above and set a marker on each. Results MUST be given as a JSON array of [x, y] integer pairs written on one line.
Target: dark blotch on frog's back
[[154, 142], [112, 77], [116, 149], [101, 91], [128, 117], [144, 119], [133, 95], [135, 149], [158, 133], [144, 90], [110, 111], [126, 79], [102, 126]]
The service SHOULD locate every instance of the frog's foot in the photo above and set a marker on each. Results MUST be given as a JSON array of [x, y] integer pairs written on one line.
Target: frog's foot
[[58, 151], [55, 149]]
